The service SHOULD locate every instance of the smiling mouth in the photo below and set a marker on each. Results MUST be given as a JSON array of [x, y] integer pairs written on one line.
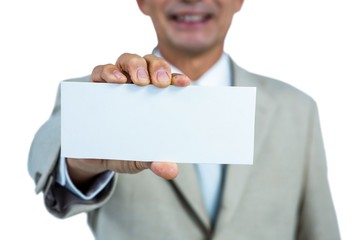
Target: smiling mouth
[[190, 18]]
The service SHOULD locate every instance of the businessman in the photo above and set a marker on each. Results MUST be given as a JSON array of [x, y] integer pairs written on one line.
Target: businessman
[[283, 195]]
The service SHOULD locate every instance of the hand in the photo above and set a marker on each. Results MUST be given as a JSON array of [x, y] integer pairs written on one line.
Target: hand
[[129, 68], [82, 171]]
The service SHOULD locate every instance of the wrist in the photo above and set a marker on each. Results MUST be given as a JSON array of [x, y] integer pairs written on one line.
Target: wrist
[[83, 171]]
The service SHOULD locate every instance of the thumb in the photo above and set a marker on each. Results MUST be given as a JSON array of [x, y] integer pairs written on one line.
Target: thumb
[[165, 170], [123, 166]]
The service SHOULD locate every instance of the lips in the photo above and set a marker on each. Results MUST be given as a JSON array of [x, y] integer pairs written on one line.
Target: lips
[[190, 18]]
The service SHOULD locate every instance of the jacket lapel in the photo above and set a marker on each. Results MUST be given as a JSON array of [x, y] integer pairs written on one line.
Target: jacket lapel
[[237, 176], [188, 184]]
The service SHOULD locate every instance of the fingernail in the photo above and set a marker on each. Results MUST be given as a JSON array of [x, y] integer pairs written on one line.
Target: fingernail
[[119, 75], [181, 80], [162, 76], [142, 75]]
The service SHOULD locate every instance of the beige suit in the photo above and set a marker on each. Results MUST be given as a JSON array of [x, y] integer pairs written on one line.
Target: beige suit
[[283, 195]]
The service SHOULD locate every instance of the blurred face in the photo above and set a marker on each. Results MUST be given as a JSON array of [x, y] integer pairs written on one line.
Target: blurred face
[[190, 25]]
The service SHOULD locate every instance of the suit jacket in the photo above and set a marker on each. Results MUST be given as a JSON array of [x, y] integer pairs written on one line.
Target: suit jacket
[[283, 195]]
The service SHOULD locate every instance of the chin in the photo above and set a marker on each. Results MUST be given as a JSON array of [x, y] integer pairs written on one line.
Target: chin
[[194, 46]]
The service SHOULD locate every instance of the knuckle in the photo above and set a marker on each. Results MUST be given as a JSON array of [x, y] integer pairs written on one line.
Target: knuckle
[[128, 61], [156, 62], [108, 66], [97, 69], [160, 64], [134, 63]]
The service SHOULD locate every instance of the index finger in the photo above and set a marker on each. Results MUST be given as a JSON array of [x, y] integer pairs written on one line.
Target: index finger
[[107, 73]]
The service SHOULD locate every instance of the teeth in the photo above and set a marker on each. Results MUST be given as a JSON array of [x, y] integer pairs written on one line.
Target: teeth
[[190, 18]]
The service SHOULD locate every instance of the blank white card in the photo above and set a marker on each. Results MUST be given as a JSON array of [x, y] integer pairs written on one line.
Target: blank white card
[[186, 125]]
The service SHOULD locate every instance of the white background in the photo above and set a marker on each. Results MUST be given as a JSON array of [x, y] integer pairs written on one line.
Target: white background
[[311, 44]]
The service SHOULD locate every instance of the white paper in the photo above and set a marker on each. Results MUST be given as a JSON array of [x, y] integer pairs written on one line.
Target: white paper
[[185, 125]]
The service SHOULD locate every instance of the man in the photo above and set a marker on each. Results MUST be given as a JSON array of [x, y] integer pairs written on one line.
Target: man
[[283, 195]]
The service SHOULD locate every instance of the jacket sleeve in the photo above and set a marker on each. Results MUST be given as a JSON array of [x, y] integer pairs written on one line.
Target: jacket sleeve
[[42, 163], [317, 213]]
